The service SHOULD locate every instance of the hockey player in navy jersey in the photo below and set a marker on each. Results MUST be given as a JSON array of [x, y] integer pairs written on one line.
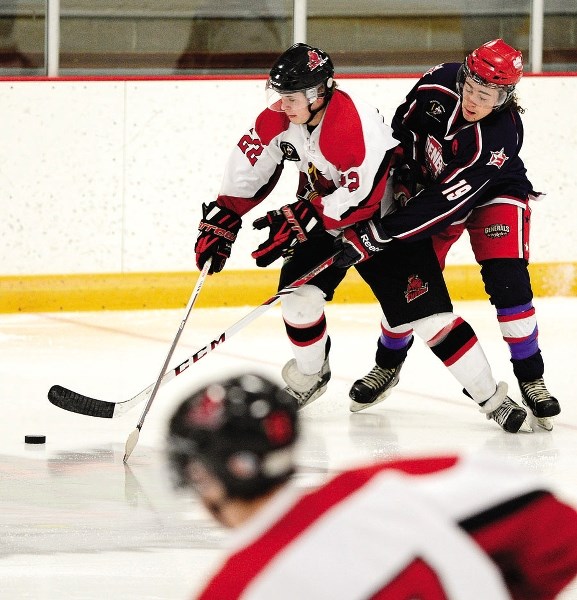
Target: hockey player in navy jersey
[[461, 133], [469, 527], [343, 151]]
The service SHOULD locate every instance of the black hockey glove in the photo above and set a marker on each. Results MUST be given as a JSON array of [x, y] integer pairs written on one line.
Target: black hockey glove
[[216, 232], [290, 225], [359, 242], [408, 180]]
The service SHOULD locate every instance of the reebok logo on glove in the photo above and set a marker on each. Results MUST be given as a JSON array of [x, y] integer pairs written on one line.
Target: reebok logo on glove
[[367, 243]]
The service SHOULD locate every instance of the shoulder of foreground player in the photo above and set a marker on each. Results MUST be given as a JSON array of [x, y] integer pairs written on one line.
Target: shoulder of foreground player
[[409, 466], [485, 467], [269, 124]]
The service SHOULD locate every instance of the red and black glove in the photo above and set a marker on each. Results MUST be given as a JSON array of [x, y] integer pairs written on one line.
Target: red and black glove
[[216, 232], [359, 242], [290, 225], [408, 180]]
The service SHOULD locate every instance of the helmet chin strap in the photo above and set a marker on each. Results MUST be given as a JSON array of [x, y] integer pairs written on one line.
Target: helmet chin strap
[[314, 112]]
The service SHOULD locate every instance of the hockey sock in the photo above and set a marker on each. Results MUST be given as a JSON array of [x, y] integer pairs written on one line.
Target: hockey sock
[[462, 354]]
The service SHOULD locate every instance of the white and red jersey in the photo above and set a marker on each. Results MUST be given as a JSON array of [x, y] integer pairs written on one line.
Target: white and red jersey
[[343, 161], [466, 528]]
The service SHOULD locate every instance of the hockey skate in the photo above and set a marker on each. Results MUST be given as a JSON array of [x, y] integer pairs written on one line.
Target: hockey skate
[[305, 388], [537, 398], [373, 387], [505, 412]]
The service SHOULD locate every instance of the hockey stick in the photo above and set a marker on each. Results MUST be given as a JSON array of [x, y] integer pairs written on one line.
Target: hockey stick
[[84, 405], [133, 437]]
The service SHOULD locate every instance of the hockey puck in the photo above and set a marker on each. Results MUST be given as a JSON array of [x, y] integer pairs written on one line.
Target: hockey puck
[[35, 439]]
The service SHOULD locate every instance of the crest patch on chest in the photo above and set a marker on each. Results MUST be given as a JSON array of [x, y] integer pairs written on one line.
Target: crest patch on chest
[[435, 109], [289, 152]]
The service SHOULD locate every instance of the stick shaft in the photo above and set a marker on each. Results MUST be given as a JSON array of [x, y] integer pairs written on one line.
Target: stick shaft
[[132, 439], [192, 300]]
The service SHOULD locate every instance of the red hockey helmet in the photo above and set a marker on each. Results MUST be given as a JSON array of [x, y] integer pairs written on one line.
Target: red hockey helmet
[[495, 65]]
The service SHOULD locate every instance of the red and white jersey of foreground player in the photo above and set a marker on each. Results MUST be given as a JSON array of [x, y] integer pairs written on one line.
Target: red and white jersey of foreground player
[[343, 162], [440, 528]]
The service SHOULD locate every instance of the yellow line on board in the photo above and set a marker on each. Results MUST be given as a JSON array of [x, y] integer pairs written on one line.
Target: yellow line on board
[[134, 291]]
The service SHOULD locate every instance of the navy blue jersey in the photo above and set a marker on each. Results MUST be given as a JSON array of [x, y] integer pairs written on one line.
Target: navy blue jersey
[[465, 164]]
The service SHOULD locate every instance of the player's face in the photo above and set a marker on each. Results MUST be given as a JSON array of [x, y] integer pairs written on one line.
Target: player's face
[[207, 487], [296, 108], [478, 100]]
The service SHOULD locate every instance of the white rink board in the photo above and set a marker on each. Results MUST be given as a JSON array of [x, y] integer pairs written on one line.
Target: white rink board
[[109, 176]]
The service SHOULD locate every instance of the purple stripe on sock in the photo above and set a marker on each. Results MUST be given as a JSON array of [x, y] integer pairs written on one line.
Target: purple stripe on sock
[[395, 343], [514, 309], [526, 348]]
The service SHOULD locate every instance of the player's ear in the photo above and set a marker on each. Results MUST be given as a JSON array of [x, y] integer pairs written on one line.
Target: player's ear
[[204, 481]]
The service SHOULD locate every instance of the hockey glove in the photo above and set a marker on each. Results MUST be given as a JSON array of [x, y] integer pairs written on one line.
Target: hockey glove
[[216, 232], [408, 180], [290, 225], [359, 242]]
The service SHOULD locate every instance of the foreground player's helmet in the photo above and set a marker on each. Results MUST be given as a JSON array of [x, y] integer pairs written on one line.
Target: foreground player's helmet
[[242, 430], [495, 65], [301, 68]]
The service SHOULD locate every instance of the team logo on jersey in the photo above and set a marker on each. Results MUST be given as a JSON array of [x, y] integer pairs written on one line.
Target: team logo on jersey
[[315, 61], [289, 152], [319, 183], [433, 69], [416, 287], [434, 156], [497, 230], [435, 110], [498, 158]]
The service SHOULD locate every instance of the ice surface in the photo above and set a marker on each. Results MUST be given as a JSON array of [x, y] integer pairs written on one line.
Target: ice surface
[[77, 523]]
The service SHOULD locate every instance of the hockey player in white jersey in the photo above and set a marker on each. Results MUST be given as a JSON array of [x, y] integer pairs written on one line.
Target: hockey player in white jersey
[[343, 150], [432, 527]]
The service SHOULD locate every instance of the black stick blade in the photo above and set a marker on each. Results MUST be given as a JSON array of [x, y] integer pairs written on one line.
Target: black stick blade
[[77, 403]]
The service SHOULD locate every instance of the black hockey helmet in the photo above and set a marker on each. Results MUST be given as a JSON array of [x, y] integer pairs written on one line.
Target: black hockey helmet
[[301, 68], [241, 429]]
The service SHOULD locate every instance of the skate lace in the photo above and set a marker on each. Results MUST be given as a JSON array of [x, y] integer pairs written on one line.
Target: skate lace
[[301, 397], [378, 377], [501, 414], [536, 390]]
